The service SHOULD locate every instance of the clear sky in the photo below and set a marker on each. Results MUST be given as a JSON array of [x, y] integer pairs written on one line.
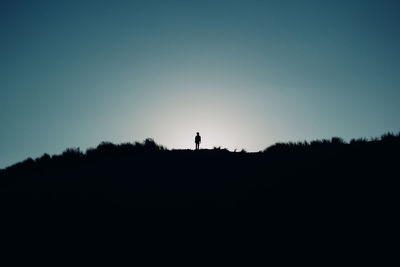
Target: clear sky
[[245, 74]]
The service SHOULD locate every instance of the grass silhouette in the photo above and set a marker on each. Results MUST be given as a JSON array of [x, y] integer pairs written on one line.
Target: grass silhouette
[[319, 175]]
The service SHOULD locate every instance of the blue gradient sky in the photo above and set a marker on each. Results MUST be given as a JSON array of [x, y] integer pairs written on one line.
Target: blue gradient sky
[[245, 74]]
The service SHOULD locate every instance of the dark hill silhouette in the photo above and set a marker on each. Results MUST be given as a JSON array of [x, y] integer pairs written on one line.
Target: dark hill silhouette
[[319, 175], [324, 200]]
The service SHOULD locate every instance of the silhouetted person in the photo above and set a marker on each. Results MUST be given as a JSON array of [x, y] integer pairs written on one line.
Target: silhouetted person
[[197, 140]]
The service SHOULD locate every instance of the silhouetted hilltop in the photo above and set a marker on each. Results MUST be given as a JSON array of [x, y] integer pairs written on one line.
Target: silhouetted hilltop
[[317, 174]]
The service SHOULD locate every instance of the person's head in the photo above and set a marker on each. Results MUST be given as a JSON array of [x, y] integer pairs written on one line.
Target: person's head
[[197, 133]]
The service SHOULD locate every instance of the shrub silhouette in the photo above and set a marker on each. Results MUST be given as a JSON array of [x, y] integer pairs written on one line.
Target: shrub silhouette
[[312, 174]]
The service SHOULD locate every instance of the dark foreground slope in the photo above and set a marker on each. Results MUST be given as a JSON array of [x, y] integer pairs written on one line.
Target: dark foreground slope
[[323, 202], [319, 175]]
